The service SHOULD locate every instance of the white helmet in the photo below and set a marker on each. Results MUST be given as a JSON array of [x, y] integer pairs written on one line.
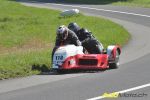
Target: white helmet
[[62, 32]]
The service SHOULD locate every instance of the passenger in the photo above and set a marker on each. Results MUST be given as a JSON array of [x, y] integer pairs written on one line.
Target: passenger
[[89, 42]]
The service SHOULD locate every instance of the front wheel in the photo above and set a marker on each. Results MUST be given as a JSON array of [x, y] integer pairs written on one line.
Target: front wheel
[[115, 64], [61, 71]]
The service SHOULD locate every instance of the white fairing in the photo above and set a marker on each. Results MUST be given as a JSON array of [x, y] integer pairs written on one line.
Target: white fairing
[[63, 52], [70, 12], [109, 50]]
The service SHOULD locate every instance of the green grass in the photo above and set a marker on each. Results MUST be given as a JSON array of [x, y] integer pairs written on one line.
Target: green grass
[[23, 64], [20, 26], [138, 3]]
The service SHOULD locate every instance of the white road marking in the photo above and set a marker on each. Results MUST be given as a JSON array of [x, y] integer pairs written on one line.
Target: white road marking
[[123, 91], [114, 11]]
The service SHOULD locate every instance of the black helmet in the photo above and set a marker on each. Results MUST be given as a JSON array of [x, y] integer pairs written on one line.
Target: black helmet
[[74, 27]]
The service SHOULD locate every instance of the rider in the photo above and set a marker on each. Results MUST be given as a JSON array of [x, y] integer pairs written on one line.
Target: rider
[[65, 36], [89, 42]]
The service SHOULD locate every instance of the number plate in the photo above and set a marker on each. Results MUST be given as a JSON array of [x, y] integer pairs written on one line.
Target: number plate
[[58, 59]]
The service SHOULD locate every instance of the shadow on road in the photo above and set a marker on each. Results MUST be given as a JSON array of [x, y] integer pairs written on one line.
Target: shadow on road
[[53, 72], [45, 70], [96, 2], [41, 68]]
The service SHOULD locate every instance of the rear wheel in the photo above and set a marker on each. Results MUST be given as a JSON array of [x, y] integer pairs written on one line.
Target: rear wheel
[[115, 64]]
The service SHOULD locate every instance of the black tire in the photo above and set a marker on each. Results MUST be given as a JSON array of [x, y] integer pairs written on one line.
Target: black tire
[[116, 63], [61, 71]]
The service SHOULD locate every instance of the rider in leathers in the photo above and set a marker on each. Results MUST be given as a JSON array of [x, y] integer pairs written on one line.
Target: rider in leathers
[[65, 36]]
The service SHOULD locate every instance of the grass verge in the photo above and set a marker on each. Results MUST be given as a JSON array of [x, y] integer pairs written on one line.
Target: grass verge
[[27, 35], [133, 3], [23, 64]]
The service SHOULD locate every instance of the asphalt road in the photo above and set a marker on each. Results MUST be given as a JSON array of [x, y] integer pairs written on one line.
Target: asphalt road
[[133, 71]]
